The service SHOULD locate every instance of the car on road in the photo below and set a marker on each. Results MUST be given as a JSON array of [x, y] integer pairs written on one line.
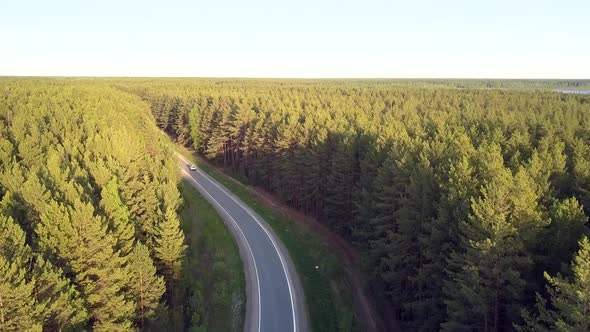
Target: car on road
[[192, 167]]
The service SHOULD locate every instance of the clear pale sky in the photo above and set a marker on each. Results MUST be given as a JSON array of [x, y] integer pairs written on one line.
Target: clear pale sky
[[305, 38]]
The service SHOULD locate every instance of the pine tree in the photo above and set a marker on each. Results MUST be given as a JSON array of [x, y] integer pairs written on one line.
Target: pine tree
[[572, 298], [81, 242], [486, 281], [118, 215], [147, 287], [16, 299], [540, 321], [180, 127], [581, 172], [440, 239], [170, 249], [559, 242], [423, 252], [35, 195], [58, 304], [17, 303], [140, 195], [569, 299], [193, 123], [390, 185], [340, 187]]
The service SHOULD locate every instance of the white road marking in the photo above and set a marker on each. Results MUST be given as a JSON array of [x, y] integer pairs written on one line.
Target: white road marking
[[245, 239], [265, 231]]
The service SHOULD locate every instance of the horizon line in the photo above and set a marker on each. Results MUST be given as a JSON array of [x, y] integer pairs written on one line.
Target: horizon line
[[299, 78]]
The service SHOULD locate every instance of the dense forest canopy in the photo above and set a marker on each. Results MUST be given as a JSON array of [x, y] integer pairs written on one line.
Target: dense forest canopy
[[469, 199], [88, 197]]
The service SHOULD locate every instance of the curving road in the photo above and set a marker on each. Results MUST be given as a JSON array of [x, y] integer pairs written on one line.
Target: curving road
[[274, 296]]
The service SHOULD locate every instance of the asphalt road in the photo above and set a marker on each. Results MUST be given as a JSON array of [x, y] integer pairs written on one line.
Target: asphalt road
[[274, 295]]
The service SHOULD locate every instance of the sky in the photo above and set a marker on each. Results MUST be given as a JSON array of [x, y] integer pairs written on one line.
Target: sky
[[304, 38]]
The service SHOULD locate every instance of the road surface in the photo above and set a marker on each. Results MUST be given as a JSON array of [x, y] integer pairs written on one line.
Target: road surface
[[274, 295]]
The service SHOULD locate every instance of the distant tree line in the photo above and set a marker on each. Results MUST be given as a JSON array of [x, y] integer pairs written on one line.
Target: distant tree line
[[470, 204], [89, 236]]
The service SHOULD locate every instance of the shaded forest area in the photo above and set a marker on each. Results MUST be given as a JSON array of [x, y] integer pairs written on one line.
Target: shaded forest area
[[89, 233], [470, 203]]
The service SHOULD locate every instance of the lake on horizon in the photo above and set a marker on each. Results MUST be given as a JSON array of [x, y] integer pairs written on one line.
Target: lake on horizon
[[575, 92]]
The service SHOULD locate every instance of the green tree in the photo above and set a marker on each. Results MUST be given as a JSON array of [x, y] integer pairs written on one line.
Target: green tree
[[559, 240], [147, 287], [569, 299], [581, 172], [170, 249], [44, 294], [118, 214], [193, 123], [16, 299], [572, 298], [81, 242], [140, 195], [486, 281], [17, 303], [58, 304]]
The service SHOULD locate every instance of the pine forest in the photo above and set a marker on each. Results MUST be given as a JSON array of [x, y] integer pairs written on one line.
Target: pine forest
[[467, 199]]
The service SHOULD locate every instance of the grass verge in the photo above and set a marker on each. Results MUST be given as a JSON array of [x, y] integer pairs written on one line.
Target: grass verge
[[214, 274], [327, 292]]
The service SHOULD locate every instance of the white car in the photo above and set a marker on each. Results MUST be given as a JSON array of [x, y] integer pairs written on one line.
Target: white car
[[192, 167]]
